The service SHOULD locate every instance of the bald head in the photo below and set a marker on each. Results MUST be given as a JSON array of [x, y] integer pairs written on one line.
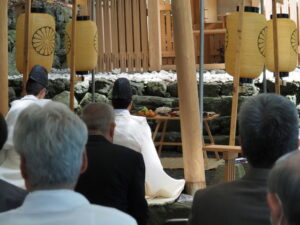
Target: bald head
[[284, 183], [99, 118]]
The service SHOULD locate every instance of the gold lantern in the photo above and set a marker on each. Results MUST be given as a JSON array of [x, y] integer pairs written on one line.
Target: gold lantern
[[252, 49], [42, 40], [287, 45], [86, 46]]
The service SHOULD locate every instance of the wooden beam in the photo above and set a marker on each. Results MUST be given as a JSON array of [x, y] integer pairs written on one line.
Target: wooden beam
[[222, 148], [27, 29], [229, 171], [73, 52], [275, 44], [155, 57], [188, 96], [4, 58]]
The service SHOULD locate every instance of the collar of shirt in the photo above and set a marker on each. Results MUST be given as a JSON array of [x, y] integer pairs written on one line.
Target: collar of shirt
[[52, 201], [29, 97], [121, 112]]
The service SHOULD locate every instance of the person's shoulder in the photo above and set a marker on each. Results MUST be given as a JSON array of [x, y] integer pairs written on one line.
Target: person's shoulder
[[122, 150], [111, 216]]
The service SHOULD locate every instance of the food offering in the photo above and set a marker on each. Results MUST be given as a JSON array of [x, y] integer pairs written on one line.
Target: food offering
[[144, 111]]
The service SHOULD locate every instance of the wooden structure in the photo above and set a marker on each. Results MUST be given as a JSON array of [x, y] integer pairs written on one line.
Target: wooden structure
[[188, 97], [4, 58], [123, 35]]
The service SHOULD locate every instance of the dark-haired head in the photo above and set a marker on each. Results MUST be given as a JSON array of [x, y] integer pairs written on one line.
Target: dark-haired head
[[268, 125]]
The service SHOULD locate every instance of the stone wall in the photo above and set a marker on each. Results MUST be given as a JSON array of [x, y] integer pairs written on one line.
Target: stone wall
[[217, 98]]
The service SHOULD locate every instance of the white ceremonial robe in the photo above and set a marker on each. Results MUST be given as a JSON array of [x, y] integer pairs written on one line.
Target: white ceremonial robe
[[9, 158], [63, 207], [134, 132]]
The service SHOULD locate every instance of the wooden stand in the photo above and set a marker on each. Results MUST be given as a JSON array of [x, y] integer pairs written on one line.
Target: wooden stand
[[73, 41], [4, 58], [188, 97], [229, 171], [27, 28]]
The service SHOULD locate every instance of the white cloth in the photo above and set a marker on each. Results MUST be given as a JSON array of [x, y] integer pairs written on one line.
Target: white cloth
[[63, 207], [9, 158], [134, 132]]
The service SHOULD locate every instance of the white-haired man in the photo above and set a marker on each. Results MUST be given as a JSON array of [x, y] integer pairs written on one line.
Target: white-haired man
[[51, 143]]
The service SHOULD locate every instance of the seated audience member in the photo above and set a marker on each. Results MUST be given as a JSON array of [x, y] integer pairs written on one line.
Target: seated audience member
[[268, 126], [116, 175], [51, 143], [283, 190], [134, 133], [36, 91], [10, 196]]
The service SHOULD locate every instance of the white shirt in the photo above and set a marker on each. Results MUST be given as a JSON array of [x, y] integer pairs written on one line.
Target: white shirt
[[63, 207], [9, 158], [134, 132]]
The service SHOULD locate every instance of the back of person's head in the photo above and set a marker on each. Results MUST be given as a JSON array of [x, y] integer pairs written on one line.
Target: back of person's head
[[121, 94], [98, 117], [51, 141], [268, 126], [3, 131], [284, 190], [38, 80]]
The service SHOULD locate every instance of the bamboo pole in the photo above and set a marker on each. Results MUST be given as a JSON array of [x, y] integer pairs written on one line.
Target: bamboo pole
[[73, 41], [188, 96], [27, 28], [229, 171], [275, 43], [155, 53], [4, 58]]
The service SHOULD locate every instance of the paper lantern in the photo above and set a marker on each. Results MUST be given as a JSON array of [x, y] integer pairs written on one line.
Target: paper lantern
[[41, 37], [287, 45], [86, 46], [252, 49]]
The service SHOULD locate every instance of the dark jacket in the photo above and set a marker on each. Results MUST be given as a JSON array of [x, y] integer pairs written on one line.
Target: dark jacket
[[241, 202], [115, 177], [11, 196]]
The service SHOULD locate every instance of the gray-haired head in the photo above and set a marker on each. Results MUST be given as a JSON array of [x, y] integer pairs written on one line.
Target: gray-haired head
[[284, 181], [268, 126], [98, 117], [51, 139]]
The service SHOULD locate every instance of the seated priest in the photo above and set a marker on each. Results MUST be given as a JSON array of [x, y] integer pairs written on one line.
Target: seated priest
[[36, 91], [134, 133]]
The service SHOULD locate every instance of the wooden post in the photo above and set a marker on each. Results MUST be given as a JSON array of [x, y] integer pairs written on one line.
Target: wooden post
[[4, 58], [73, 41], [188, 96], [275, 43], [229, 171], [27, 28], [155, 53]]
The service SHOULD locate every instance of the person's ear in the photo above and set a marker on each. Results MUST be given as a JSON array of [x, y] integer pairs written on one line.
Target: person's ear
[[84, 164], [24, 172], [275, 207], [112, 131]]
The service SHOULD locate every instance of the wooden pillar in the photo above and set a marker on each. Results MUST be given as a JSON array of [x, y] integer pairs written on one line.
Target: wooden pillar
[[72, 58], [155, 54], [188, 96], [275, 44], [229, 170], [27, 28], [4, 58]]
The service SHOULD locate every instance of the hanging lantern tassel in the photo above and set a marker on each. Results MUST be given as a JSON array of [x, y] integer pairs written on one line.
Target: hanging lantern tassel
[[252, 53], [287, 45]]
